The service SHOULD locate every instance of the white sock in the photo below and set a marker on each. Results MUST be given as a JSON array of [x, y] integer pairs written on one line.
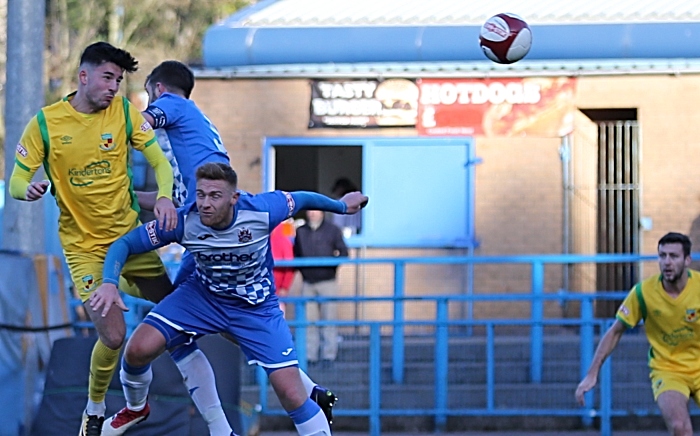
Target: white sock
[[316, 426], [136, 388], [308, 383], [198, 376], [94, 408]]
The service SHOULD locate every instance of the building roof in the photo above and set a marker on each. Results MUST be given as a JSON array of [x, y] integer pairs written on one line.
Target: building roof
[[475, 69], [319, 13], [288, 32]]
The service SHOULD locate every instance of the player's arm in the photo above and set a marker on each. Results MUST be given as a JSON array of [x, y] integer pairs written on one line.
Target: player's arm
[[157, 113], [606, 346], [628, 315], [22, 187], [350, 203], [142, 239], [283, 205], [163, 208], [149, 118], [144, 140], [29, 155]]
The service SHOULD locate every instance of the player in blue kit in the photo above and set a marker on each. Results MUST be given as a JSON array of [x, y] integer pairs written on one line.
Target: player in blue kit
[[189, 139], [231, 291]]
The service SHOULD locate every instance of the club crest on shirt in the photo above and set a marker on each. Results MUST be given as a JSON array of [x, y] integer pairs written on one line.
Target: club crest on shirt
[[691, 315], [244, 235], [290, 204], [88, 282], [107, 142]]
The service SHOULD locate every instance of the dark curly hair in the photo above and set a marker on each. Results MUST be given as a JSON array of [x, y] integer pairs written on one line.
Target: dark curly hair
[[100, 52]]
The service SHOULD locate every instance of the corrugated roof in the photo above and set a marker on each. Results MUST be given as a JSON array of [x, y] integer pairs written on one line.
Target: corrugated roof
[[312, 13], [485, 69]]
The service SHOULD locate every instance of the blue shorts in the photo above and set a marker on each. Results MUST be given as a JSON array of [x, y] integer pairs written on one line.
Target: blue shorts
[[192, 311]]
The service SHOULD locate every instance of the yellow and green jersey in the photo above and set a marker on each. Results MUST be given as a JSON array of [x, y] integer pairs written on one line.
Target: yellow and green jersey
[[672, 324], [86, 158]]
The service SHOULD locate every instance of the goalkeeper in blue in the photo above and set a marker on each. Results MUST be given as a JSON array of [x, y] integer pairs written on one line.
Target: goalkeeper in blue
[[231, 291]]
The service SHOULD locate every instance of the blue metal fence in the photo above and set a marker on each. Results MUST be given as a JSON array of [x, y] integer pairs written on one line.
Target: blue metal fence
[[443, 329]]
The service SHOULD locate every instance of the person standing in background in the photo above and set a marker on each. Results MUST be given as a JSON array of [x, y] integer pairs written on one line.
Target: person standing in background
[[282, 249], [320, 238]]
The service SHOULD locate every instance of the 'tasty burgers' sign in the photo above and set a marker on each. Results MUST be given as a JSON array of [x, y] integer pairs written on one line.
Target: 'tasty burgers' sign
[[363, 103]]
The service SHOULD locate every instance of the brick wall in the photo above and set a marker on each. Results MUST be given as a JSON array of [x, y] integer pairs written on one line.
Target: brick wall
[[518, 184]]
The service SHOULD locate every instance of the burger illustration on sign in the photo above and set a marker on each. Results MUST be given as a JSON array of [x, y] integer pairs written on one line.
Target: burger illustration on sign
[[399, 98]]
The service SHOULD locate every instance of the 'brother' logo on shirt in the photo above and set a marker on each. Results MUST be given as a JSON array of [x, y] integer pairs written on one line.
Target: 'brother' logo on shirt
[[227, 257]]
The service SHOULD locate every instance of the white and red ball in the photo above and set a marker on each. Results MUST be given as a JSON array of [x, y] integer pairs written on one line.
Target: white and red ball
[[505, 38]]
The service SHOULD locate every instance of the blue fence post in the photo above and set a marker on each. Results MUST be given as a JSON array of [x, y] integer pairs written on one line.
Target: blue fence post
[[537, 331], [261, 379], [606, 394], [375, 382], [300, 315], [441, 365], [587, 338], [490, 368], [398, 338]]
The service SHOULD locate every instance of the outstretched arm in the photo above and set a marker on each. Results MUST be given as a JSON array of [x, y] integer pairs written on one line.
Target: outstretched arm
[[606, 346], [142, 239], [350, 203]]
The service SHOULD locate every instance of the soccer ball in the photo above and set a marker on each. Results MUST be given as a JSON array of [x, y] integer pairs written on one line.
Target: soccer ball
[[505, 38]]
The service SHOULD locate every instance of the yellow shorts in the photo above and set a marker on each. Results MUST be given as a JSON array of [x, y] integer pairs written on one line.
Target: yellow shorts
[[86, 270], [662, 381]]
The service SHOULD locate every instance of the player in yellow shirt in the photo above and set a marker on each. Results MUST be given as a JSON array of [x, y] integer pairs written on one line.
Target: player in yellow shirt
[[83, 143], [669, 305]]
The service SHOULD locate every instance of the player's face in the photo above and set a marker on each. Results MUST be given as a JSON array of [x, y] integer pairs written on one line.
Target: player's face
[[101, 84], [215, 201], [672, 261]]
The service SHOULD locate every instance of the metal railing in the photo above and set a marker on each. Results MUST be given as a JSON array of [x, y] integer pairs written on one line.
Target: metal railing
[[442, 328]]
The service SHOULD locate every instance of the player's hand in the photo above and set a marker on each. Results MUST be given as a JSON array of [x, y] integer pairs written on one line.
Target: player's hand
[[165, 213], [354, 201], [104, 297], [586, 385], [36, 190]]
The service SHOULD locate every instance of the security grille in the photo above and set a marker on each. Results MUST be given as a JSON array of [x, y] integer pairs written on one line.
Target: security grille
[[618, 206]]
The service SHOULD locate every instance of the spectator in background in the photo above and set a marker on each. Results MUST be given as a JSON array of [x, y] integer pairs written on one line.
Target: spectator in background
[[349, 224], [320, 238], [282, 249]]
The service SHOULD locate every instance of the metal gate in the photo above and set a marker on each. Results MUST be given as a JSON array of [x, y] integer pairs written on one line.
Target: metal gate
[[601, 204], [618, 206]]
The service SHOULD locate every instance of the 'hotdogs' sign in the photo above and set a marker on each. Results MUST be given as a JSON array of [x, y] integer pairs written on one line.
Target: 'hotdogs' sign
[[496, 107], [363, 103]]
